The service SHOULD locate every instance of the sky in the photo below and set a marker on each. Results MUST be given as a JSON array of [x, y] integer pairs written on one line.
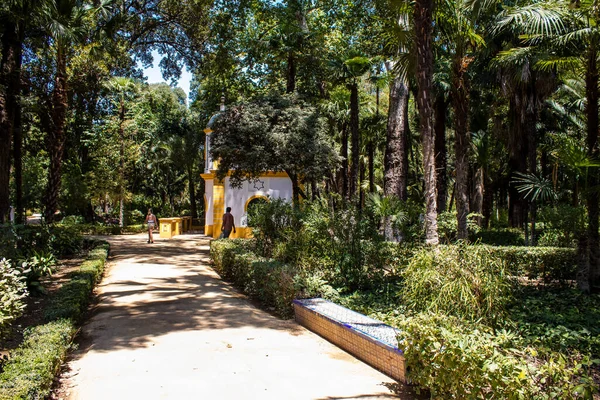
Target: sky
[[155, 76]]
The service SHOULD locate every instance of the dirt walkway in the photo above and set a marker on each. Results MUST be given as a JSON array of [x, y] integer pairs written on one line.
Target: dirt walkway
[[167, 327]]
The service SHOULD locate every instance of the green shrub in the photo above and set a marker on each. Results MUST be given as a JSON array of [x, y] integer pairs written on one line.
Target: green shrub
[[30, 372], [561, 225], [73, 297], [21, 241], [36, 266], [499, 237], [462, 280], [448, 225], [548, 263], [13, 290], [270, 281], [271, 222], [556, 238], [455, 360]]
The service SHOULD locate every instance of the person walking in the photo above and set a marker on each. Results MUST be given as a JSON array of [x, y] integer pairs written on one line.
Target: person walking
[[228, 223], [151, 221]]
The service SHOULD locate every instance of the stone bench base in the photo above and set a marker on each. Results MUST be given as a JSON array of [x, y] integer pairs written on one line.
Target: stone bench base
[[365, 338]]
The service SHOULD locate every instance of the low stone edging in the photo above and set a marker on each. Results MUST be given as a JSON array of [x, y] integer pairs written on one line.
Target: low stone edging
[[367, 339]]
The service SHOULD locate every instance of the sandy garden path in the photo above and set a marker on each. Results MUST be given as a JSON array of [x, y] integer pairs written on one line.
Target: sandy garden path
[[167, 327]]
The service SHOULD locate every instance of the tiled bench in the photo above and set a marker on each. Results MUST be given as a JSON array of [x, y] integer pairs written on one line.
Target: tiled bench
[[366, 338]]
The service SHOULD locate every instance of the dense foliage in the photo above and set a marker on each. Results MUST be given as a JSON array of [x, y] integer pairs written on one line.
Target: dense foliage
[[477, 321], [13, 289]]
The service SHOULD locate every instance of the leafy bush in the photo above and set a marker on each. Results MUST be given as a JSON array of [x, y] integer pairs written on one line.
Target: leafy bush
[[20, 241], [462, 280], [499, 237], [548, 263], [561, 225], [448, 225], [271, 222], [470, 361], [12, 292], [38, 265]]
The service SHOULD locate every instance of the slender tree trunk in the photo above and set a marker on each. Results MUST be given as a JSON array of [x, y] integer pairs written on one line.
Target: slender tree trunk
[[354, 139], [10, 81], [18, 165], [441, 153], [460, 100], [56, 135], [371, 156], [530, 126], [488, 201], [589, 269], [291, 73], [122, 164], [517, 144], [344, 154], [423, 39], [192, 189], [479, 194], [371, 148], [396, 157]]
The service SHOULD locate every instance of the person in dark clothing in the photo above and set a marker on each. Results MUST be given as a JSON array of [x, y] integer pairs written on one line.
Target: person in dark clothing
[[228, 223]]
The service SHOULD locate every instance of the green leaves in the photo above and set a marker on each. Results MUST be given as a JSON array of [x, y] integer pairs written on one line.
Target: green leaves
[[534, 188]]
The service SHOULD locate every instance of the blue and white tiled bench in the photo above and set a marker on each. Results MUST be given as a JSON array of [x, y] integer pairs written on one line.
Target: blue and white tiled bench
[[365, 338]]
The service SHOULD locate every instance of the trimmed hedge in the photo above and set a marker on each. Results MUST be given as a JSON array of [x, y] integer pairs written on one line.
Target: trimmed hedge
[[272, 282], [547, 263], [31, 369]]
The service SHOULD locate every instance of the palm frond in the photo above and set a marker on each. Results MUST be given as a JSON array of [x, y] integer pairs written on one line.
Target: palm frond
[[533, 187]]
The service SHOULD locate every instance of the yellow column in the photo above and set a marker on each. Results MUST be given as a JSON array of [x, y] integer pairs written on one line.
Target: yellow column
[[218, 207]]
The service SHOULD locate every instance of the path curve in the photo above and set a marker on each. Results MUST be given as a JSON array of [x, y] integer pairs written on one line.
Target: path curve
[[167, 327]]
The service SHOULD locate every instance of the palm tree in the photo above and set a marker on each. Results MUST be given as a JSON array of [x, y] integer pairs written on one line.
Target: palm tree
[[15, 18], [456, 24], [64, 23], [573, 26], [123, 88], [348, 70], [423, 13]]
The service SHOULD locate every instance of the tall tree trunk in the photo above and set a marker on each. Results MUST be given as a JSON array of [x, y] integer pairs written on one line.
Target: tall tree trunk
[[122, 164], [354, 139], [460, 100], [192, 189], [56, 135], [588, 276], [344, 154], [479, 194], [371, 148], [423, 40], [396, 146], [530, 127], [291, 73], [441, 153], [18, 165], [517, 146], [371, 156], [488, 201], [11, 82]]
